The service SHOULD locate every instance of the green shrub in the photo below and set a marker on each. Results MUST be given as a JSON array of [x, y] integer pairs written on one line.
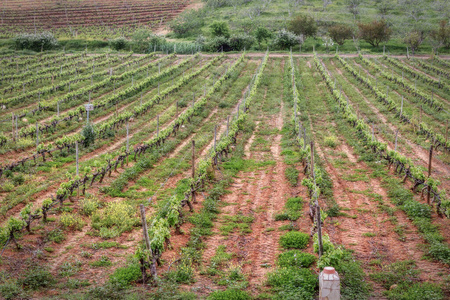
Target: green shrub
[[416, 291], [440, 251], [109, 233], [292, 277], [117, 214], [126, 275], [187, 22], [56, 235], [118, 44], [239, 42], [88, 206], [71, 221], [89, 135], [10, 290], [331, 141], [294, 239], [416, 209], [295, 258], [36, 278], [104, 261], [229, 294], [36, 42], [291, 174], [396, 273], [220, 28], [183, 272], [285, 39]]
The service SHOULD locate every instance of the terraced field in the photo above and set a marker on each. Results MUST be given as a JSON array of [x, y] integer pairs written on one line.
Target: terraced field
[[86, 19], [277, 139]]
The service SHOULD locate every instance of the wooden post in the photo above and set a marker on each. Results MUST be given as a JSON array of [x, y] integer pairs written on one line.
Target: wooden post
[[396, 135], [128, 141], [76, 157], [319, 229], [57, 107], [312, 159], [228, 123], [177, 108], [429, 173], [194, 199], [37, 134], [420, 119], [215, 135], [373, 133], [157, 126], [12, 126], [446, 133], [17, 131], [401, 108], [147, 242]]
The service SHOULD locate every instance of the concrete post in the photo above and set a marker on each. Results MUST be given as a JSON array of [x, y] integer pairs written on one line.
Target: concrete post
[[329, 284]]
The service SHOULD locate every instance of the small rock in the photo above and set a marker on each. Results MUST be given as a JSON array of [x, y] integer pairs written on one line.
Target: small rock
[[394, 286], [25, 120]]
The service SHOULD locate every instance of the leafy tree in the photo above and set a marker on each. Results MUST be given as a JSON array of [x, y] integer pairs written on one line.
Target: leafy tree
[[217, 44], [240, 41], [36, 42], [353, 7], [303, 24], [340, 32], [384, 7], [262, 34], [285, 39], [375, 32], [414, 39], [187, 22], [118, 43], [219, 28], [442, 35], [141, 40]]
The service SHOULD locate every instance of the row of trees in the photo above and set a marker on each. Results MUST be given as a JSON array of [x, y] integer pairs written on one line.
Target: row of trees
[[302, 27]]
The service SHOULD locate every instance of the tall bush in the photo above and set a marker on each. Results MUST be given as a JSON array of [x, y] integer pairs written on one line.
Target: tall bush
[[36, 42]]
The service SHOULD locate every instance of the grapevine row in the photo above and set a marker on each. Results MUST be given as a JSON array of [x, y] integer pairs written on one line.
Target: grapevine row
[[415, 74], [433, 103], [437, 138], [66, 189], [402, 164]]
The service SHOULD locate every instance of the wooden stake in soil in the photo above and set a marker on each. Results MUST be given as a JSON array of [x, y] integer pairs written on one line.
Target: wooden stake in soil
[[446, 133], [12, 126], [215, 135], [17, 131], [157, 126], [76, 154], [194, 199], [396, 135], [228, 123], [401, 109], [37, 134], [147, 243], [177, 109], [429, 173], [128, 141], [319, 229]]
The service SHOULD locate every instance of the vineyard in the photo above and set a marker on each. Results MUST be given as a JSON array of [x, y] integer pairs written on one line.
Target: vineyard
[[213, 176], [88, 19]]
